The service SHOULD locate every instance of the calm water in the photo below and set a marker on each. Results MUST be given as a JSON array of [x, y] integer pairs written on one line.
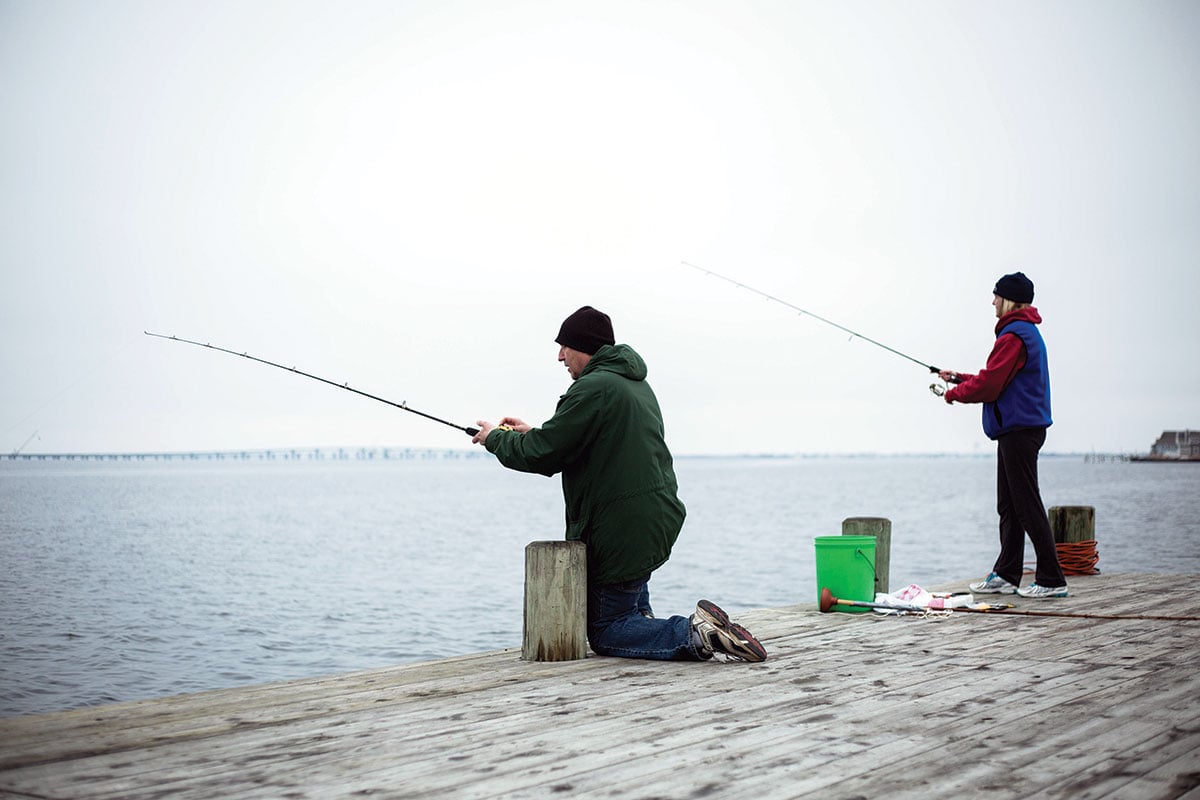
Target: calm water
[[126, 580]]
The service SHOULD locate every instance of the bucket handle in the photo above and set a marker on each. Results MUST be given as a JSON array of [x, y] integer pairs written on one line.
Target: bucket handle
[[874, 576]]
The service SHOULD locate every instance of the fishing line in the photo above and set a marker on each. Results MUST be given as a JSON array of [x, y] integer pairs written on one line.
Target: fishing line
[[819, 318], [403, 406], [50, 400]]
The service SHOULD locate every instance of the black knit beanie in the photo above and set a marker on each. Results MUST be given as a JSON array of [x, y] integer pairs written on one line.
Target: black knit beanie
[[587, 330], [1015, 287]]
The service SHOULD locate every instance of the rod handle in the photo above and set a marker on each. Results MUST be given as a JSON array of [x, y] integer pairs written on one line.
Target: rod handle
[[473, 431]]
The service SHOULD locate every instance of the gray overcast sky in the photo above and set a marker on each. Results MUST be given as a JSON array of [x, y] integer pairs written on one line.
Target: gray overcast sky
[[410, 196]]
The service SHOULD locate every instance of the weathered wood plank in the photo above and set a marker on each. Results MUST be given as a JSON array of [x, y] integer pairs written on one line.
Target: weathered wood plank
[[846, 705], [487, 732]]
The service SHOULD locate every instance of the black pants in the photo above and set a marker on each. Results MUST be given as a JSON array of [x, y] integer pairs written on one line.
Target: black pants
[[1019, 503]]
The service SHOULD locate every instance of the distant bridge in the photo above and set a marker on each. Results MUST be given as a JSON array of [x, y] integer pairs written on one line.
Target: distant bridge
[[1095, 457], [288, 454]]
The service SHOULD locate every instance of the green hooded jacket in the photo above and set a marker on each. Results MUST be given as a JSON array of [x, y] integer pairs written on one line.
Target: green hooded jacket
[[606, 438]]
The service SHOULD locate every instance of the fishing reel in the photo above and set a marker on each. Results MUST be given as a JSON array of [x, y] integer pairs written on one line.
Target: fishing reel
[[939, 389]]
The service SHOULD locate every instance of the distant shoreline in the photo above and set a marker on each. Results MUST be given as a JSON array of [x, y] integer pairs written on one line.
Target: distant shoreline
[[418, 453]]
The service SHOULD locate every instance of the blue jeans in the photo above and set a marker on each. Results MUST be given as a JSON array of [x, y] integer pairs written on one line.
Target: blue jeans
[[618, 625]]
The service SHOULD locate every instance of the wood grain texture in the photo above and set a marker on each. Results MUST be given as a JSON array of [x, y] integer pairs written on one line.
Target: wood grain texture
[[847, 705]]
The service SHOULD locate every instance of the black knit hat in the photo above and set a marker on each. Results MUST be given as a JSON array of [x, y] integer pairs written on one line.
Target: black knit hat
[[1015, 287], [587, 330]]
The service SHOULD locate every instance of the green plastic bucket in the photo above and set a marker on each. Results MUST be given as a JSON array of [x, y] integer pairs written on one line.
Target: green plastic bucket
[[846, 567]]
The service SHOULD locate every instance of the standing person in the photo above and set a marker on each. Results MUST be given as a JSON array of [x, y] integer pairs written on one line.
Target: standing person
[[1014, 388], [606, 438]]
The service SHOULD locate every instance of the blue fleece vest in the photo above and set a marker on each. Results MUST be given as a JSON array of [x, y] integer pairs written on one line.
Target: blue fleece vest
[[1025, 402]]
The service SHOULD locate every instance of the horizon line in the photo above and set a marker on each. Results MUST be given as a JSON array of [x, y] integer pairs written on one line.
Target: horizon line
[[402, 452]]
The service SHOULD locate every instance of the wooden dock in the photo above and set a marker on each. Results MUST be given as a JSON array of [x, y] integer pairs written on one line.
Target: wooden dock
[[847, 706]]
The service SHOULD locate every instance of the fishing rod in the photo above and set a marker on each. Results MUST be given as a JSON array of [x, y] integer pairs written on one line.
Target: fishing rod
[[817, 317], [402, 406], [828, 601]]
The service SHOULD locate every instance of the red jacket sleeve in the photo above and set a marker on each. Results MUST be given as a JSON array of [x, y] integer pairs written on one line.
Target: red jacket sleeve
[[1006, 359]]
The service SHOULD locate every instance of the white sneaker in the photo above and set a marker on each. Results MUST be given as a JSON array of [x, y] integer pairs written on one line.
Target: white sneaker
[[993, 584], [1042, 592]]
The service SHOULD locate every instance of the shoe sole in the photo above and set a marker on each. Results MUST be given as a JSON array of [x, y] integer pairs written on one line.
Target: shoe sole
[[742, 643], [1013, 590], [1042, 596]]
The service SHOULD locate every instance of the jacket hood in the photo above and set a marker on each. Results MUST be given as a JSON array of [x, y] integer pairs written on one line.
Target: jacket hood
[[620, 359], [1027, 314]]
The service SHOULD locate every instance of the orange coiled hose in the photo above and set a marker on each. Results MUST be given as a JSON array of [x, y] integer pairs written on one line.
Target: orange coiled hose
[[1078, 558]]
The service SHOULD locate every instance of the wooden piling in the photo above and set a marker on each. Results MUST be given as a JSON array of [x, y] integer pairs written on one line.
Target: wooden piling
[[1072, 524], [555, 601], [1074, 529], [881, 529]]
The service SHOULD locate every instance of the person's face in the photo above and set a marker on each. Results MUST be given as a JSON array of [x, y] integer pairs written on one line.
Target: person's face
[[574, 360], [998, 304]]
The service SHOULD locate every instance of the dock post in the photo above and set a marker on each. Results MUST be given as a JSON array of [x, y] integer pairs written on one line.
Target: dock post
[[881, 529], [1074, 529], [1072, 524], [555, 601]]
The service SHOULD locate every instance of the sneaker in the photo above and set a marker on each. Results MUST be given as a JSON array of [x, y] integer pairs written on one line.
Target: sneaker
[[993, 584], [718, 634], [1041, 592]]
